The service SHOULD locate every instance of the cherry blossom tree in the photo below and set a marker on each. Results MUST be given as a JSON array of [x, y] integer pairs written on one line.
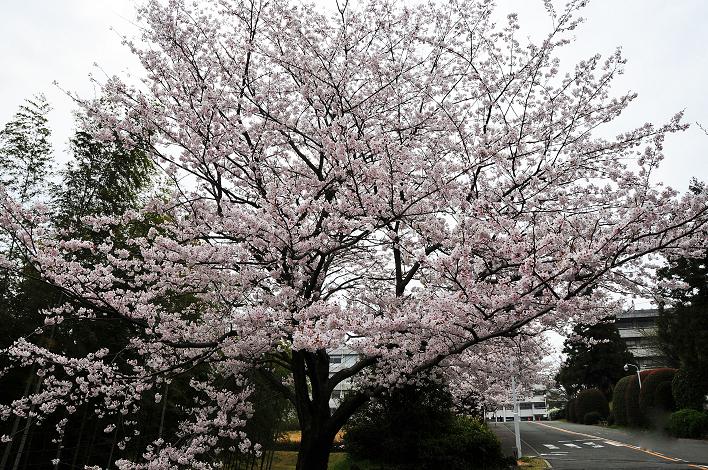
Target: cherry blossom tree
[[415, 182]]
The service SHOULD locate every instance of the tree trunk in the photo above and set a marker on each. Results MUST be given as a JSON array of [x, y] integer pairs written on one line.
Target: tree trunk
[[16, 421], [319, 425], [164, 407], [25, 432], [113, 446], [60, 446], [314, 450], [77, 449]]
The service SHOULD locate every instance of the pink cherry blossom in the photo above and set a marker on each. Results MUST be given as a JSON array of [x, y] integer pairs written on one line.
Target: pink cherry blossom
[[413, 182]]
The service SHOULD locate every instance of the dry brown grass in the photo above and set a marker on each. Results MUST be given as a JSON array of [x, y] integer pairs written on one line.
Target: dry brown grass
[[295, 436]]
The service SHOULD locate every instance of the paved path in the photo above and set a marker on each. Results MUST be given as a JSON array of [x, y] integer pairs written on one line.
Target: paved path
[[575, 446]]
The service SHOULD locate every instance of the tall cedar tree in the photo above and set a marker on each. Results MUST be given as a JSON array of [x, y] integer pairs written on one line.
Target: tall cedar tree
[[102, 179], [25, 164], [683, 326], [25, 150], [595, 358]]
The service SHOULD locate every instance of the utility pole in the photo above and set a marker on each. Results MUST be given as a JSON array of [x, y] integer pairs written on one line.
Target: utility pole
[[516, 416]]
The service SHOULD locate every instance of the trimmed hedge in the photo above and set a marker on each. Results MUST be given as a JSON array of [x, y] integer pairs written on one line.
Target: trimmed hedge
[[592, 418], [572, 412], [688, 423], [414, 427], [664, 399], [689, 389], [651, 405], [635, 417], [469, 443], [589, 401], [619, 410], [611, 418]]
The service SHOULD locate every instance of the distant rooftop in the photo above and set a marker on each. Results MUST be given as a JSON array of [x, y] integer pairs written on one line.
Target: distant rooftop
[[641, 313]]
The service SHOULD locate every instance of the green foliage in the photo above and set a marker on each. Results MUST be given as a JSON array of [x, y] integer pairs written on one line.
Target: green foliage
[[592, 417], [651, 405], [25, 150], [663, 398], [682, 329], [556, 414], [394, 424], [25, 157], [104, 178], [467, 443], [611, 418], [415, 428], [688, 423], [589, 401], [556, 398], [635, 417], [687, 388], [595, 358], [572, 410], [619, 410]]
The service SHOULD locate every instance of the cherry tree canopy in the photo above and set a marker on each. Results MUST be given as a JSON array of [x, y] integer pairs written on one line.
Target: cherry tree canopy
[[413, 181]]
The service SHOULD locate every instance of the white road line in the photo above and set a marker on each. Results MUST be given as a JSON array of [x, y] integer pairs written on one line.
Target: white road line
[[572, 445], [550, 446], [594, 445], [621, 444]]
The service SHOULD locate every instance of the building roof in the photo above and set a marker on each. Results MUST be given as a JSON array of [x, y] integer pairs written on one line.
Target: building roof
[[641, 313]]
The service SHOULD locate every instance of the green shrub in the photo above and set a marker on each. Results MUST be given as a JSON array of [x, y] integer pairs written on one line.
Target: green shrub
[[619, 410], [468, 443], [572, 411], [591, 400], [689, 388], [663, 398], [391, 427], [611, 418], [415, 428], [648, 403], [635, 417], [592, 417], [688, 423], [557, 413]]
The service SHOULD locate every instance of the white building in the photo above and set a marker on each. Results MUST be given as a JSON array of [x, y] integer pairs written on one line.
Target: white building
[[339, 359], [638, 329], [531, 408]]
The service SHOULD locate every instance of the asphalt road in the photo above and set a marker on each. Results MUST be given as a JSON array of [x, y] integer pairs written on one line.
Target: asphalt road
[[575, 446]]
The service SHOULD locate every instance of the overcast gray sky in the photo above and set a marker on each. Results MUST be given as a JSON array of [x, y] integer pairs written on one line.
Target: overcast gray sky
[[46, 40]]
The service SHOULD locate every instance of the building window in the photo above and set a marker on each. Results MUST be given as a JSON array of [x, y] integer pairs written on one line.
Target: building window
[[335, 359], [525, 406], [539, 405]]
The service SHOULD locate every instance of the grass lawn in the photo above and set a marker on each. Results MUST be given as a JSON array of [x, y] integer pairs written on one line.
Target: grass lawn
[[532, 463], [286, 460], [294, 437]]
